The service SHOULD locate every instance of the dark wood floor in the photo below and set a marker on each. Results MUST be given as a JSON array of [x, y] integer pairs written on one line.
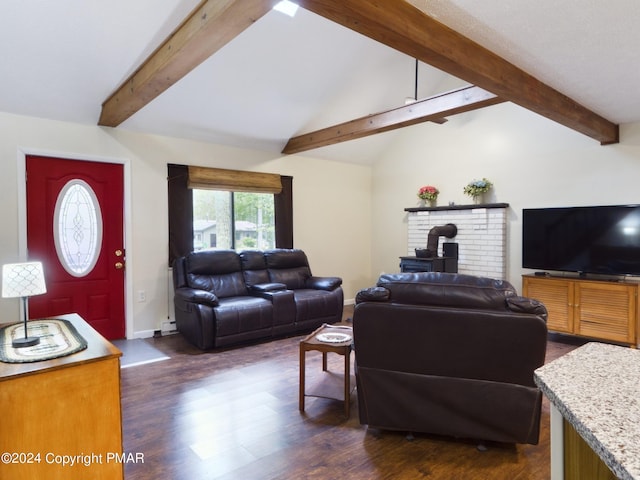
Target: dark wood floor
[[233, 414]]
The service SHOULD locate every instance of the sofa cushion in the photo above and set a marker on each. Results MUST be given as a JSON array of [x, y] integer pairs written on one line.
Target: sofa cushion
[[217, 271], [447, 290], [288, 266], [314, 304], [293, 278], [254, 267], [243, 314], [212, 262], [286, 258]]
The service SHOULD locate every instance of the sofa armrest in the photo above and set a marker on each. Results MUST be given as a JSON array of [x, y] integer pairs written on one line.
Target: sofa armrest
[[372, 294], [323, 283], [521, 304], [267, 287], [274, 296], [193, 295]]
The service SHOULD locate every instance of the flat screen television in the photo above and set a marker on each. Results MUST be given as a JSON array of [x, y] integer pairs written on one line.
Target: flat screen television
[[588, 240]]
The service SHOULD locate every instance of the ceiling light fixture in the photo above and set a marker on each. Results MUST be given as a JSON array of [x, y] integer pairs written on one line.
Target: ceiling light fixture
[[286, 7], [414, 99]]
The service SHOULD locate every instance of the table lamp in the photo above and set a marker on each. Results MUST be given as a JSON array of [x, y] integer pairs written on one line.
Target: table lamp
[[23, 280]]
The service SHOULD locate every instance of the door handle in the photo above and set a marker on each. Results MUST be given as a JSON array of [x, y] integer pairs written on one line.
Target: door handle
[[119, 265]]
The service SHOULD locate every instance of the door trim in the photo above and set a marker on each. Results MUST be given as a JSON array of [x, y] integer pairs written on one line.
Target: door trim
[[128, 228]]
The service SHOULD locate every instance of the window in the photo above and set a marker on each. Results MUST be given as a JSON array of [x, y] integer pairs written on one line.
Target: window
[[272, 215], [77, 229], [235, 220]]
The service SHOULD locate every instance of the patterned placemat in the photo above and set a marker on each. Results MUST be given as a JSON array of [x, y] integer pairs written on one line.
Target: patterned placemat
[[58, 338]]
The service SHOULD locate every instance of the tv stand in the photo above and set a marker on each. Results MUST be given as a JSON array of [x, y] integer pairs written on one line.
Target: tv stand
[[592, 308], [600, 277]]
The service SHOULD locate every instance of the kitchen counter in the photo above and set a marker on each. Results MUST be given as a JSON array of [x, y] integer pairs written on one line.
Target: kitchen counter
[[596, 389]]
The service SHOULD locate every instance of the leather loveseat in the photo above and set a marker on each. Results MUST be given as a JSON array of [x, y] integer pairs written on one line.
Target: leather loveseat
[[224, 297], [449, 354]]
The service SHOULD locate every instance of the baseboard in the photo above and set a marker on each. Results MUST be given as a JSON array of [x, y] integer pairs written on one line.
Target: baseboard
[[143, 334], [168, 326]]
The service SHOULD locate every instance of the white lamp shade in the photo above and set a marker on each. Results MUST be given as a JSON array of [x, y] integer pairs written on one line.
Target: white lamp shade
[[23, 279]]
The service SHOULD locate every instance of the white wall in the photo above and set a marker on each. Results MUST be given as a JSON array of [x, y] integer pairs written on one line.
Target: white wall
[[332, 203], [532, 161]]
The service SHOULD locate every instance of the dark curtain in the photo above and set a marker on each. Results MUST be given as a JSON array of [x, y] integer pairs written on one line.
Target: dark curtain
[[284, 214], [181, 212]]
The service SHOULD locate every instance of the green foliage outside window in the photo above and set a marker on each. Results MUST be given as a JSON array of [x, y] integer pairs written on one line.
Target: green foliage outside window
[[252, 214]]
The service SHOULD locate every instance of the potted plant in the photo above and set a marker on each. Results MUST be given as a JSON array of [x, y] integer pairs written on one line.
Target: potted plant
[[477, 188], [428, 193]]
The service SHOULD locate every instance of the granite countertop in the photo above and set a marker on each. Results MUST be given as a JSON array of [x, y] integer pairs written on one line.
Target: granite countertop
[[596, 388]]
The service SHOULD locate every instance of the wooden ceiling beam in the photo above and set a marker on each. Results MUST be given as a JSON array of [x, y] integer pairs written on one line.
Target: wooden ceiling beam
[[430, 109], [210, 26], [394, 23], [407, 29]]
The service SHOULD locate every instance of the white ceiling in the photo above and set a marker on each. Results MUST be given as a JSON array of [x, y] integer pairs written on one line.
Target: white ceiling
[[283, 77]]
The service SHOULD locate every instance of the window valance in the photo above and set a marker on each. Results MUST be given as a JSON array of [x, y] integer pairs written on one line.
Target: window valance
[[180, 196], [233, 180]]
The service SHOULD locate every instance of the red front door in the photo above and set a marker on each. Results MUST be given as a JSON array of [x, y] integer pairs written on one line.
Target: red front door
[[75, 228]]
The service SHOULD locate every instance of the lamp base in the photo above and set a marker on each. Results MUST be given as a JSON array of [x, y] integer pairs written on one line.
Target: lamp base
[[25, 342]]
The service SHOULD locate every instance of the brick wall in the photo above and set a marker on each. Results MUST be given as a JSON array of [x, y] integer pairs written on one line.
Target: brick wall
[[481, 238]]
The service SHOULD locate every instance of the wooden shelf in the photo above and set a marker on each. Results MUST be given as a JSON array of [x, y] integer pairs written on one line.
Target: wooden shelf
[[457, 207]]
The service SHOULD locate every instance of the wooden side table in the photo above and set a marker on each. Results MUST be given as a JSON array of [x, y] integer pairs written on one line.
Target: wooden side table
[[332, 385], [65, 406]]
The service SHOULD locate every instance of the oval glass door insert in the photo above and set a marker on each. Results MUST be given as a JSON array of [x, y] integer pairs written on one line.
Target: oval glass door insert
[[77, 228]]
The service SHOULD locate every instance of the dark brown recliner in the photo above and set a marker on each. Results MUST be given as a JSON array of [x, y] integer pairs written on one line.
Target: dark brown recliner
[[449, 354]]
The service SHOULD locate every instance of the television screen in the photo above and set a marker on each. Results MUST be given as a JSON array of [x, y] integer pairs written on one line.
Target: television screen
[[601, 239]]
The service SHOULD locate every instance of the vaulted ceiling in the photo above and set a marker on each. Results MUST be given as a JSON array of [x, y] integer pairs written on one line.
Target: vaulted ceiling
[[270, 77]]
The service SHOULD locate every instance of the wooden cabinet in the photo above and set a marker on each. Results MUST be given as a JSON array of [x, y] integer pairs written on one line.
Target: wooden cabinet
[[604, 310], [580, 461], [60, 411]]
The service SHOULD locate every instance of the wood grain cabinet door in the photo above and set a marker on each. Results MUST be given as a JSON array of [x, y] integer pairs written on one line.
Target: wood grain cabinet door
[[557, 296], [606, 311]]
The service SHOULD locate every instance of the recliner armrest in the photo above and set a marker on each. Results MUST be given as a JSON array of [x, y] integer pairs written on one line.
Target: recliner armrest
[[194, 295], [267, 287], [323, 283], [521, 304], [372, 294]]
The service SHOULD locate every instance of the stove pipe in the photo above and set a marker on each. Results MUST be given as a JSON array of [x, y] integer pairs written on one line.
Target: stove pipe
[[449, 230]]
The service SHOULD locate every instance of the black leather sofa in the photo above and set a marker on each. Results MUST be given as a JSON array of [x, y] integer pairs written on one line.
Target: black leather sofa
[[449, 354], [224, 297]]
